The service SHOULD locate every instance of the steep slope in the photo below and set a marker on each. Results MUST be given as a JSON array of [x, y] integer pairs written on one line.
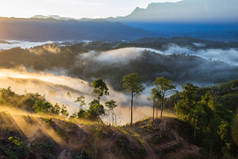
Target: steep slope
[[25, 135], [186, 11]]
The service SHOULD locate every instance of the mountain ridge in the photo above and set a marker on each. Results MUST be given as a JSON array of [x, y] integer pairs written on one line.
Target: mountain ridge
[[55, 30]]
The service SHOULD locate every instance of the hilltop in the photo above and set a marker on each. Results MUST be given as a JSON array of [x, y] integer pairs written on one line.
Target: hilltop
[[205, 126], [25, 135]]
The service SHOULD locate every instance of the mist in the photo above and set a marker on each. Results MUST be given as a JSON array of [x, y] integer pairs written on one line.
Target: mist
[[228, 56], [125, 55], [195, 63], [64, 90]]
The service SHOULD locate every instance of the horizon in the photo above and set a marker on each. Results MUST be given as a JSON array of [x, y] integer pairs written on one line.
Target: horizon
[[72, 9]]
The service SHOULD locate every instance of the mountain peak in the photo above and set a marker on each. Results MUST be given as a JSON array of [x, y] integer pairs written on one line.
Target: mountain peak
[[187, 10]]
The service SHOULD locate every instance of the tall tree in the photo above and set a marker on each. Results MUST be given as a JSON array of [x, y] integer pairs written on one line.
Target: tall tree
[[156, 97], [133, 84], [165, 87], [100, 88]]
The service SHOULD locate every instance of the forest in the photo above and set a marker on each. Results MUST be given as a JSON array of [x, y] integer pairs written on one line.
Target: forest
[[207, 115]]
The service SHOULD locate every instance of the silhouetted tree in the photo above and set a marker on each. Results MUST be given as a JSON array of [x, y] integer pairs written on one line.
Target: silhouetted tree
[[156, 97], [164, 86], [133, 84]]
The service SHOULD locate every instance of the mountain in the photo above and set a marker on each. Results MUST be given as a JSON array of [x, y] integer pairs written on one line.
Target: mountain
[[43, 29], [204, 19], [56, 17], [187, 11]]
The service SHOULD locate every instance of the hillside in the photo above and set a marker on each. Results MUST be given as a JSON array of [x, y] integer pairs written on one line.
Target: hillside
[[205, 126], [26, 136], [173, 58]]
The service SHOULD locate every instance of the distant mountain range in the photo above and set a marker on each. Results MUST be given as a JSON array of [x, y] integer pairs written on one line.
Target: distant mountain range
[[204, 19], [55, 17], [198, 11], [45, 29]]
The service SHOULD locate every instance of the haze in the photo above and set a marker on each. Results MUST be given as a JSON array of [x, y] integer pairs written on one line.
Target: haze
[[72, 8]]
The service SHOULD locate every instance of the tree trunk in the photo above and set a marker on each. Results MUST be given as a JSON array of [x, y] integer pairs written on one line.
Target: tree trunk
[[157, 110], [161, 110], [194, 129], [162, 107], [153, 110], [132, 108]]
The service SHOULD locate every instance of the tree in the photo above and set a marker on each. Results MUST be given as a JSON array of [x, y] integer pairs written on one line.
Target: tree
[[133, 84], [111, 105], [81, 101], [156, 97], [42, 106], [95, 109], [64, 111], [165, 87], [100, 88]]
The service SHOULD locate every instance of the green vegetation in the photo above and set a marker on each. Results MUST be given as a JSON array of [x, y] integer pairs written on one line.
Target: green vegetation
[[133, 84], [96, 109], [30, 102], [163, 88], [14, 148], [206, 116], [100, 88], [211, 119]]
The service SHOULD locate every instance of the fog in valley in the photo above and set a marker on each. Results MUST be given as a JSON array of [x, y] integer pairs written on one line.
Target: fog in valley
[[195, 63]]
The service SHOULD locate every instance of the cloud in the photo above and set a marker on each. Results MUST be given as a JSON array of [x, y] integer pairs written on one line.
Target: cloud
[[228, 56], [117, 56], [22, 44]]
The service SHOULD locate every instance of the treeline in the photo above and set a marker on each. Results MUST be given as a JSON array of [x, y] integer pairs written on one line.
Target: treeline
[[212, 113], [31, 102]]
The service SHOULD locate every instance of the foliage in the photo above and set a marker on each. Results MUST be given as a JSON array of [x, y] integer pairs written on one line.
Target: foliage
[[16, 141], [133, 84], [81, 101], [15, 148], [209, 116], [82, 114], [64, 111], [111, 104], [95, 109], [100, 88], [163, 88], [30, 102]]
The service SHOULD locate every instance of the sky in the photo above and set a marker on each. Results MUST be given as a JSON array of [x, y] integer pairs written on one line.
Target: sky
[[72, 8]]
